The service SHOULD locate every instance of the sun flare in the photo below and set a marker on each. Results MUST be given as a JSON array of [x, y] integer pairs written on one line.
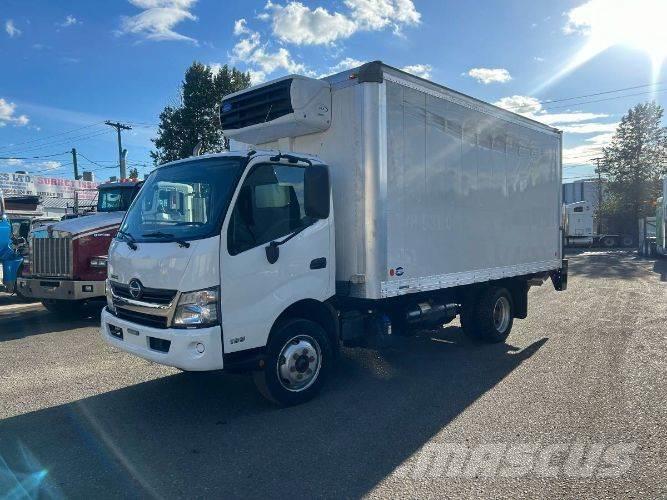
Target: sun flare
[[608, 23]]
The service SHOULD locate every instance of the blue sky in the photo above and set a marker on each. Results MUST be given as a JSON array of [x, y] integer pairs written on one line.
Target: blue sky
[[68, 66]]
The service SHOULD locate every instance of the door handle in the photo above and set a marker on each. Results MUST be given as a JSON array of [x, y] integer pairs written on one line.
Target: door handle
[[319, 263]]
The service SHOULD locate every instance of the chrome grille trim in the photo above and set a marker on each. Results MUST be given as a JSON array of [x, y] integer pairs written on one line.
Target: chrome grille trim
[[51, 257]]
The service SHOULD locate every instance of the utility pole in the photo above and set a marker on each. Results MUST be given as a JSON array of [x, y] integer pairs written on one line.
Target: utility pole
[[119, 126], [76, 166], [597, 170]]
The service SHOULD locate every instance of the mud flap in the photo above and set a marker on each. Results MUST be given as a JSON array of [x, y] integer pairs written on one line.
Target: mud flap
[[559, 277]]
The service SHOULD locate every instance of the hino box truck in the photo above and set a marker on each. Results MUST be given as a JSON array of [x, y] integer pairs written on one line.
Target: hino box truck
[[368, 203]]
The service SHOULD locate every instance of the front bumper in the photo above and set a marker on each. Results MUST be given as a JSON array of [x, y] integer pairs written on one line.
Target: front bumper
[[56, 289], [167, 346]]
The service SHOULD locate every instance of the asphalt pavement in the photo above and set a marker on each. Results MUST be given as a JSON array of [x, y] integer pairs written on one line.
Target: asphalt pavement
[[574, 405]]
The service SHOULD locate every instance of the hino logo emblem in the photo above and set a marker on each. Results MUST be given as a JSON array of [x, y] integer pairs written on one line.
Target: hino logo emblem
[[136, 289]]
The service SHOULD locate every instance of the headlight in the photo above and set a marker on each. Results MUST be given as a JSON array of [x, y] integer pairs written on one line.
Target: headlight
[[98, 262], [199, 308]]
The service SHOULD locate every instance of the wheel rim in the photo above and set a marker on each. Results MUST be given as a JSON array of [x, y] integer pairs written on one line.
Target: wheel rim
[[501, 314], [299, 363]]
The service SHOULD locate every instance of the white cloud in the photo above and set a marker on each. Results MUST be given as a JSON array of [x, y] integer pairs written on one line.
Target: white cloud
[[49, 165], [8, 115], [11, 29], [582, 154], [520, 104], [262, 61], [422, 70], [379, 14], [241, 27], [70, 20], [490, 75], [589, 128], [538, 59], [12, 162], [257, 76], [158, 19], [532, 108], [342, 65], [296, 23]]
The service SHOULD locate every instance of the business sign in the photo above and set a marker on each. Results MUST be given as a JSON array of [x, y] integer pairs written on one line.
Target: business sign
[[46, 187]]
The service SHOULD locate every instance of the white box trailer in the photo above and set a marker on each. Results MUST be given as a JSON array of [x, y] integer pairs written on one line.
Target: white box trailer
[[371, 202], [439, 187], [578, 224]]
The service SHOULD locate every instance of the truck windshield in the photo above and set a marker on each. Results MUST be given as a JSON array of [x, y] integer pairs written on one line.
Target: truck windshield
[[184, 201], [115, 199]]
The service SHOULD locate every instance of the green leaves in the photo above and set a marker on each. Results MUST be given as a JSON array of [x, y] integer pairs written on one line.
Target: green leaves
[[634, 163], [195, 119]]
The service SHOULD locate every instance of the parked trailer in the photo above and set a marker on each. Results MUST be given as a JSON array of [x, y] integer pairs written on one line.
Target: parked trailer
[[578, 224], [369, 203], [661, 221], [646, 232], [67, 264]]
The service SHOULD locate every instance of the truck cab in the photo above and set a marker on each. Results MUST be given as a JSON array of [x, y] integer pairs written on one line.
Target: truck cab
[[66, 265], [234, 232]]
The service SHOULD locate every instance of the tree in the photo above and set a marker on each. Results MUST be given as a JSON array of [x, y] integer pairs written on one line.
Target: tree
[[634, 162], [134, 173], [195, 119]]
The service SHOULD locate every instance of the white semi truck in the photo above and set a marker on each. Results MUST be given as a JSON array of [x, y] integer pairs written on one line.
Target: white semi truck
[[369, 203], [578, 224]]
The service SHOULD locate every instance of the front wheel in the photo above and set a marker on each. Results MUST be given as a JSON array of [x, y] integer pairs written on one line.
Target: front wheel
[[489, 316], [298, 359]]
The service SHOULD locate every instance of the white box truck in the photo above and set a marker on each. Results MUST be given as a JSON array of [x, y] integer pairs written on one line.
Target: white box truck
[[368, 203]]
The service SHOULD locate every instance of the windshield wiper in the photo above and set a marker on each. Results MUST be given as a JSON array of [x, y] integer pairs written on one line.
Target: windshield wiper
[[128, 238], [160, 234]]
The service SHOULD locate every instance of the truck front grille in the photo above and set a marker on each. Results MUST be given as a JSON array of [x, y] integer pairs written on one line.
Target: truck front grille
[[142, 318], [150, 295], [51, 257]]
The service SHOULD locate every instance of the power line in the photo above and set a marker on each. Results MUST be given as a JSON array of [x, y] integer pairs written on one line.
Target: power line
[[32, 157], [63, 141], [49, 136], [549, 101], [606, 99]]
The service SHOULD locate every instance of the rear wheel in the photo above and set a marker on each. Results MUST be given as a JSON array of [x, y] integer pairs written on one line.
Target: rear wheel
[[609, 241], [298, 359], [489, 317]]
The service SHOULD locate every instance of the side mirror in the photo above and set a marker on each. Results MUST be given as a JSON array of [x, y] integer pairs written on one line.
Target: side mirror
[[316, 191], [272, 252]]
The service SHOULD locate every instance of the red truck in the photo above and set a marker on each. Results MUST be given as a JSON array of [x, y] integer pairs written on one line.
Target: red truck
[[67, 263]]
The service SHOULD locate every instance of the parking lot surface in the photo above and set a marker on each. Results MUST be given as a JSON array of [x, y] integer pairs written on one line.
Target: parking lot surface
[[579, 389]]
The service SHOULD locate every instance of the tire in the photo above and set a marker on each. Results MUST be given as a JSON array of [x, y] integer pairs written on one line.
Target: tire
[[609, 242], [489, 317], [299, 358], [64, 308], [627, 241]]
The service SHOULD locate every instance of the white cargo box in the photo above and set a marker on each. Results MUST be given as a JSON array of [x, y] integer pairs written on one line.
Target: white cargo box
[[432, 188]]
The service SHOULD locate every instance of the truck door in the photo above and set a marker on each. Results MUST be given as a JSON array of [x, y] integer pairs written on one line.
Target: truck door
[[269, 206]]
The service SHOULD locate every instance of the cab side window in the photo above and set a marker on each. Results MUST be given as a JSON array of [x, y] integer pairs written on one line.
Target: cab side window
[[270, 205]]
